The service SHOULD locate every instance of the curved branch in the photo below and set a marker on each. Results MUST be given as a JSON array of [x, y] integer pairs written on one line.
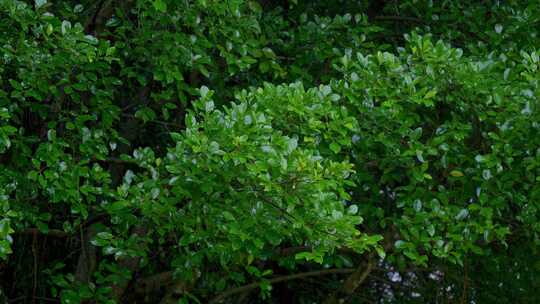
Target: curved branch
[[352, 283], [291, 277], [51, 232], [400, 18], [154, 282]]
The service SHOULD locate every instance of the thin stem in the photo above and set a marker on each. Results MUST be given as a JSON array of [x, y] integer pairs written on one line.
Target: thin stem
[[291, 277]]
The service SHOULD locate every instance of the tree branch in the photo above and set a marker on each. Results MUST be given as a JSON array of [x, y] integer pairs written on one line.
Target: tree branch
[[154, 282], [400, 18], [129, 263], [51, 232], [88, 258], [374, 8], [352, 283], [291, 277], [104, 11]]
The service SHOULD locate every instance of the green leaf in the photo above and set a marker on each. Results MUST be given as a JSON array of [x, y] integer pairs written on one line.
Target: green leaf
[[160, 5], [40, 3], [463, 213], [65, 27], [104, 235], [431, 230], [456, 173], [417, 205], [204, 91], [146, 114], [380, 252], [228, 216], [4, 228], [400, 244], [335, 147], [430, 94]]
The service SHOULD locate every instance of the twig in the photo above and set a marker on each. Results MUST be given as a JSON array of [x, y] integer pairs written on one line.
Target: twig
[[154, 282], [427, 22], [114, 160], [296, 276], [47, 299], [51, 232], [155, 121], [292, 250], [354, 281], [15, 300], [465, 282], [35, 270], [400, 18], [130, 264], [87, 261]]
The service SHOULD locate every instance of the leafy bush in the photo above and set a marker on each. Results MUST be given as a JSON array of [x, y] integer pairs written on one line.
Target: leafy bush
[[241, 151]]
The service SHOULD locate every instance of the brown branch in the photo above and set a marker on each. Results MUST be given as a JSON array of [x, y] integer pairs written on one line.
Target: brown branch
[[129, 263], [374, 8], [157, 281], [154, 282], [291, 277], [400, 18], [352, 283], [357, 278], [35, 270], [88, 258], [155, 121], [51, 232], [292, 250], [173, 292], [114, 160], [428, 22], [104, 11], [465, 282]]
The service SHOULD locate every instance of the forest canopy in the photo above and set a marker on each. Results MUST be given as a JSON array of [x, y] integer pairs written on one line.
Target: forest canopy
[[256, 151]]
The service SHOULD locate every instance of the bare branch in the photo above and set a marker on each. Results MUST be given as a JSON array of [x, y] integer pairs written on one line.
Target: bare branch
[[291, 277], [352, 283], [154, 282], [51, 232]]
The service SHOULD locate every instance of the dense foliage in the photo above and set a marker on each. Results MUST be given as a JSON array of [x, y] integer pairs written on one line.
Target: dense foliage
[[164, 151]]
